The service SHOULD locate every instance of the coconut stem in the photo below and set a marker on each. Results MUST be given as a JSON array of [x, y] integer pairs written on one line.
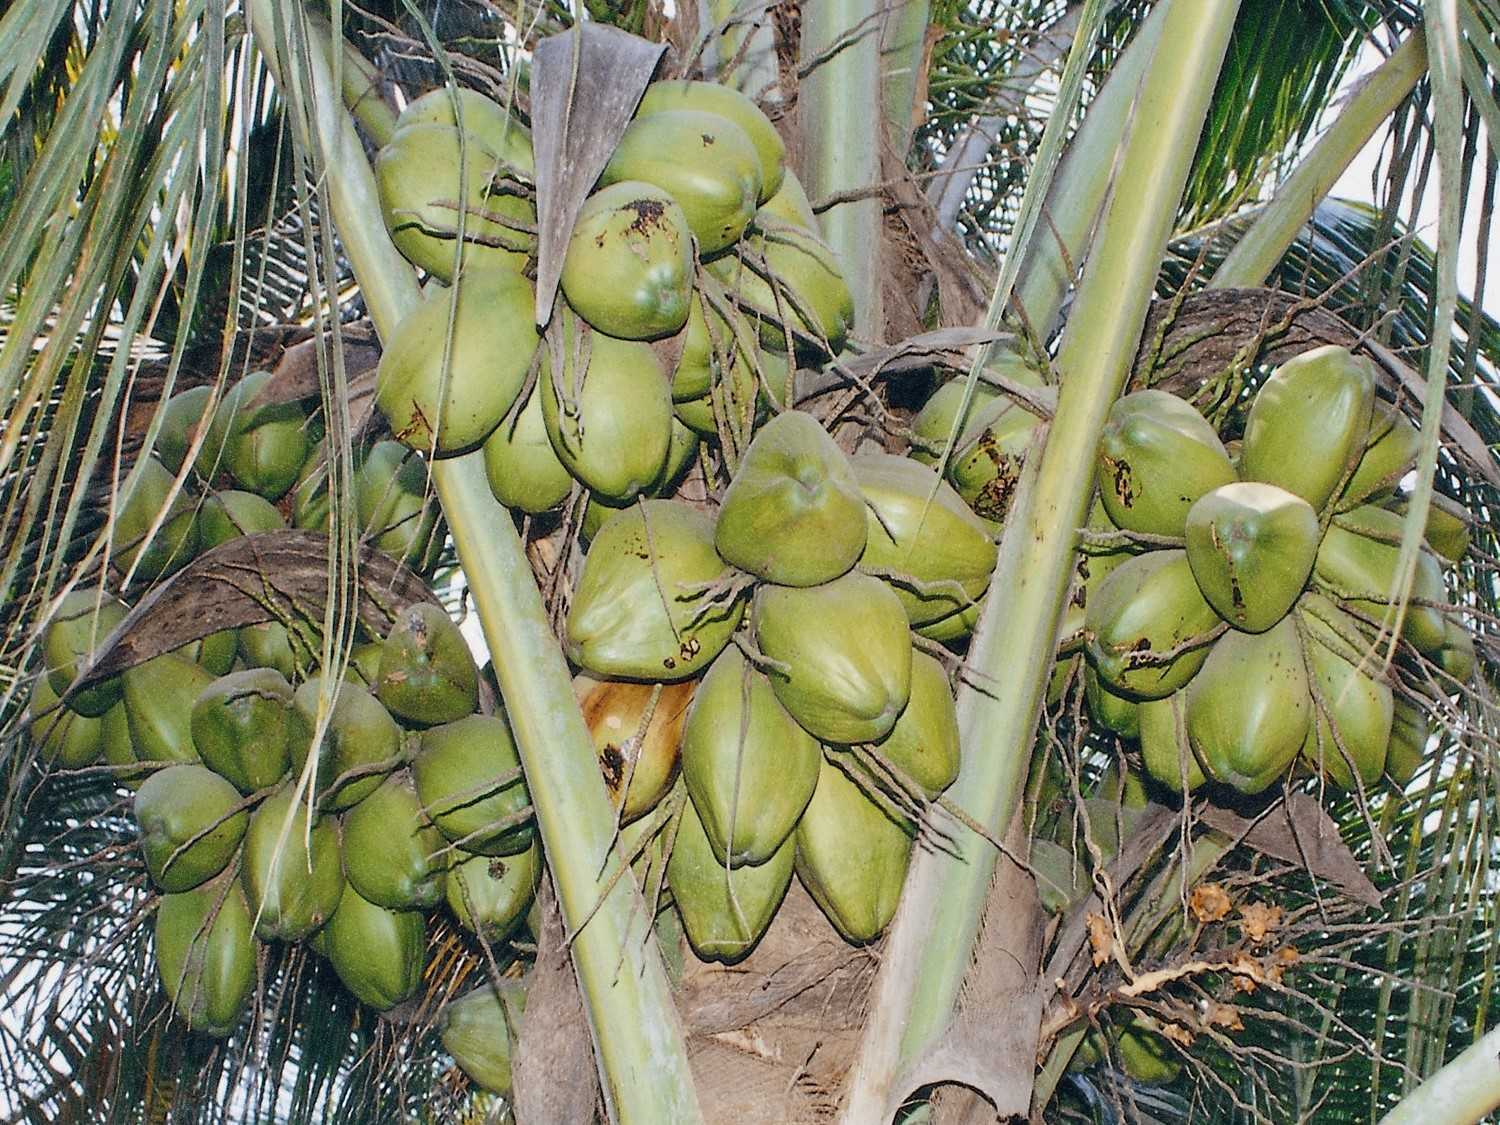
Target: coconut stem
[[1463, 1091]]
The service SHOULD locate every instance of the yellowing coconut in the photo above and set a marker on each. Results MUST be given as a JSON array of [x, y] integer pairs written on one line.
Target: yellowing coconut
[[637, 732]]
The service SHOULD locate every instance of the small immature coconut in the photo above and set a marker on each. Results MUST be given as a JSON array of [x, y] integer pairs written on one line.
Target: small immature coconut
[[791, 279], [175, 542], [986, 464], [1408, 746], [361, 735], [724, 911], [64, 738], [1357, 561], [1166, 751], [159, 698], [395, 505], [1354, 704], [228, 515], [924, 742], [1388, 458]]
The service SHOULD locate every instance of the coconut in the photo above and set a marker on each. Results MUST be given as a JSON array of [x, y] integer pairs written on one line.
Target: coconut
[[261, 445], [479, 115], [215, 653], [243, 725], [427, 674], [986, 465], [119, 753], [444, 394], [1109, 709], [724, 910], [1061, 878], [361, 735], [1251, 547], [1408, 746], [1158, 455], [293, 878], [379, 954], [1142, 622], [628, 270], [726, 102], [712, 341], [749, 768], [704, 161], [851, 856], [523, 469], [793, 514], [954, 627], [230, 514], [159, 698], [1391, 454], [190, 828], [1357, 562], [839, 655], [790, 278], [1354, 703], [1457, 657], [84, 619], [468, 776], [733, 397], [1146, 1057], [185, 414], [392, 852], [613, 426], [787, 206], [489, 895], [1249, 707], [206, 955], [637, 730], [924, 742], [477, 1029], [1307, 427], [63, 738], [268, 644], [175, 541], [1165, 749], [395, 507], [1447, 529], [642, 610], [429, 168], [935, 422]]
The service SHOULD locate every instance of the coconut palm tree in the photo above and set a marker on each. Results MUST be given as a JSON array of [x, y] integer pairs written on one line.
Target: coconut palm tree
[[1138, 192]]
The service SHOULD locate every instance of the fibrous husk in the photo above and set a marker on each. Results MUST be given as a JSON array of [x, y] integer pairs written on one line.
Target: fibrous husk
[[84, 618], [232, 513], [182, 804], [749, 768], [1249, 707], [1141, 623], [361, 735], [851, 856], [924, 743], [1308, 425], [392, 852], [637, 731], [1357, 562], [793, 514], [629, 266], [726, 102], [467, 774], [243, 725], [1166, 751], [489, 894], [523, 469], [841, 655], [1354, 705], [477, 1029], [642, 609], [705, 162], [427, 674], [922, 538], [395, 505], [724, 910], [175, 541], [379, 954], [206, 955], [159, 698], [1157, 456], [1391, 454], [1251, 547], [443, 394], [64, 738], [293, 879]]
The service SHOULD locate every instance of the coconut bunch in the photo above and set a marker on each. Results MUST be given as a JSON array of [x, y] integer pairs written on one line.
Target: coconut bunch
[[815, 732], [1231, 604], [693, 272]]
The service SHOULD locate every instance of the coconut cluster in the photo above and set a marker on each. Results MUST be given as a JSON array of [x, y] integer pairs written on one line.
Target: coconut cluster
[[1243, 641], [693, 275], [411, 801]]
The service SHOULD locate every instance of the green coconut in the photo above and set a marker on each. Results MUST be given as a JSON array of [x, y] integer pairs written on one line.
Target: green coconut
[[63, 738], [427, 674], [1109, 709], [292, 878], [1251, 547], [637, 733], [379, 954], [712, 340], [268, 644], [428, 168], [794, 513], [186, 413], [840, 655], [468, 776], [444, 394], [790, 278], [84, 620], [489, 895], [954, 627], [522, 467], [1061, 877], [230, 514], [934, 423], [749, 768], [924, 742], [1166, 751], [724, 911], [1457, 657], [1391, 454], [628, 270], [726, 102], [986, 465], [851, 856], [395, 505], [190, 828], [1249, 707], [243, 726], [1141, 622], [479, 115], [733, 398], [159, 698], [922, 538], [478, 1028], [175, 542], [642, 610], [206, 955], [119, 753], [1146, 1057], [1408, 746], [704, 161], [788, 206], [267, 457], [1354, 702], [1358, 560], [215, 653], [1157, 455], [361, 735], [393, 854], [1307, 427], [1447, 529], [613, 426]]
